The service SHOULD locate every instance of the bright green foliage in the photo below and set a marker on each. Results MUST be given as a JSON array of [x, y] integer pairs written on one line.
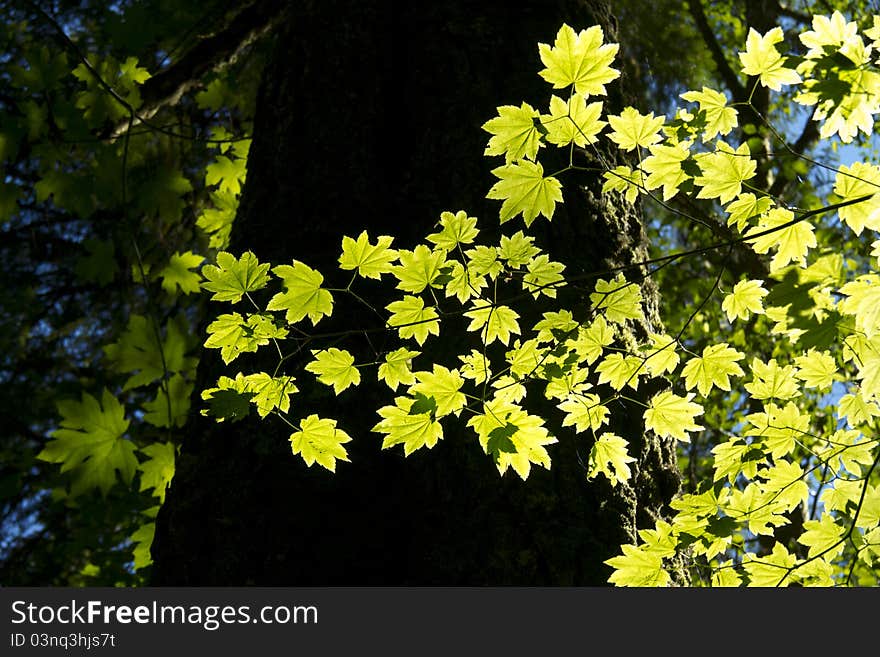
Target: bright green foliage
[[761, 58], [334, 367], [514, 133], [443, 386], [632, 129], [319, 441], [525, 190], [230, 279], [745, 299], [177, 275], [226, 173], [397, 368], [673, 416], [608, 456], [419, 269], [572, 122], [713, 368], [765, 357], [371, 261], [303, 293], [157, 471], [619, 300], [493, 322], [413, 319], [142, 540], [234, 334], [90, 444], [410, 422], [579, 59]]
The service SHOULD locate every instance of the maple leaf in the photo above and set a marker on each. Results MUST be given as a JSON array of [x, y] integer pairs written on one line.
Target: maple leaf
[[664, 167], [514, 438], [779, 428], [233, 335], [619, 299], [592, 340], [138, 351], [662, 357], [761, 58], [514, 133], [457, 228], [823, 536], [463, 283], [720, 119], [583, 411], [573, 122], [724, 170], [747, 206], [228, 174], [444, 387], [518, 249], [610, 457], [334, 367], [418, 269], [493, 322], [863, 302], [717, 363], [319, 441], [854, 182], [396, 369], [371, 261], [177, 275], [637, 567], [90, 444], [412, 319], [817, 369], [158, 471], [770, 381], [543, 276], [745, 299], [171, 405], [407, 424], [475, 366], [231, 279], [269, 392], [790, 241], [624, 180], [632, 129], [304, 295], [579, 59], [770, 570], [669, 415], [524, 189], [619, 371]]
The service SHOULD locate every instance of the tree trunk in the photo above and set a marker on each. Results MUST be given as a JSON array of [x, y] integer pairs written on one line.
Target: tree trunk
[[369, 118]]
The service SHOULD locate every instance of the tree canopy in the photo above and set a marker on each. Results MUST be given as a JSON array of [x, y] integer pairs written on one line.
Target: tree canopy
[[741, 332]]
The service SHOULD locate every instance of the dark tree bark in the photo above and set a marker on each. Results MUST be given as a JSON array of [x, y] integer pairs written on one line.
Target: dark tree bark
[[369, 117]]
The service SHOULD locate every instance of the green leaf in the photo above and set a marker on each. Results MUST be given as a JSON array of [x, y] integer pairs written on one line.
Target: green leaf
[[724, 171], [228, 173], [672, 416], [397, 368], [444, 386], [823, 537], [142, 540], [523, 447], [718, 362], [304, 294], [158, 471], [632, 129], [334, 367], [174, 400], [791, 243], [720, 119], [231, 278], [609, 456], [770, 570], [543, 276], [525, 190], [412, 319], [619, 299], [745, 299], [579, 59], [770, 381], [664, 167], [457, 229], [229, 400], [618, 371], [137, 350], [637, 567], [761, 58], [573, 122], [371, 261], [419, 269], [270, 392], [319, 441], [177, 275], [90, 444], [514, 133], [235, 335], [493, 322], [403, 425]]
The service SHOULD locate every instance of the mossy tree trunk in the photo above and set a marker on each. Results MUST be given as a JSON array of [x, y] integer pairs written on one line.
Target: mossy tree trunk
[[369, 118]]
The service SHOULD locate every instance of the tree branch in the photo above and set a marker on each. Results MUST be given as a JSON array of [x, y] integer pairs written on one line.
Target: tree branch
[[209, 54], [727, 74]]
